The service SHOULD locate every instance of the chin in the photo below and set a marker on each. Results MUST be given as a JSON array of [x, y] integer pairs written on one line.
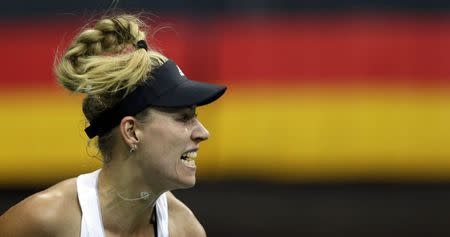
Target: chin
[[183, 183], [187, 182]]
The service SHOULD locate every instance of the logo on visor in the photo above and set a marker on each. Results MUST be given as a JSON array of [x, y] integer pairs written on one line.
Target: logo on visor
[[181, 72]]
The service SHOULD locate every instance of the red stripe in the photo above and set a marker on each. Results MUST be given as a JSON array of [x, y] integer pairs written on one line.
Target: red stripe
[[318, 49], [29, 50], [337, 48]]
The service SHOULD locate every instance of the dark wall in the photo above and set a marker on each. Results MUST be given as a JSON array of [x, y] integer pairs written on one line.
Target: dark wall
[[265, 209]]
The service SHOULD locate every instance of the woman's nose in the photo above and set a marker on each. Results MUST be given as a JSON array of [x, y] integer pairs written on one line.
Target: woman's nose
[[200, 133]]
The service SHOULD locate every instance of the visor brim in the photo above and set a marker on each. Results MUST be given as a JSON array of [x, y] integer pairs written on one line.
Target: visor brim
[[190, 93]]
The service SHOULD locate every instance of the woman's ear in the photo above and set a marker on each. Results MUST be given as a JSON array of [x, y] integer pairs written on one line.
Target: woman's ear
[[128, 130]]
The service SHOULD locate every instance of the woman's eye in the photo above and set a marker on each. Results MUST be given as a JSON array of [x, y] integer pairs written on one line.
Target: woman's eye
[[187, 117]]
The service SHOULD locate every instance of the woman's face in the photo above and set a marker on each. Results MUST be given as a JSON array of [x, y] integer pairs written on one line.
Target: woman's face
[[168, 146]]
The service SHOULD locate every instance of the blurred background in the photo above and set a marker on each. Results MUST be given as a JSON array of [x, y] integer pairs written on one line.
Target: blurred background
[[335, 123]]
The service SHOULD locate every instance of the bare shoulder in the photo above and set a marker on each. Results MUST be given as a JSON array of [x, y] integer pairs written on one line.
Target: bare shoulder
[[182, 222], [43, 214]]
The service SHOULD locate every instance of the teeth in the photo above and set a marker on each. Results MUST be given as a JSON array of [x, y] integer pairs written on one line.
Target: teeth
[[190, 155], [189, 163], [188, 159]]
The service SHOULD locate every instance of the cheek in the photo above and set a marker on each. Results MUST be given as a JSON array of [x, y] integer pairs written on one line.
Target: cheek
[[164, 144]]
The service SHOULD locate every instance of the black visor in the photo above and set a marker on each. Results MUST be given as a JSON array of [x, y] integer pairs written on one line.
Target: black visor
[[167, 87]]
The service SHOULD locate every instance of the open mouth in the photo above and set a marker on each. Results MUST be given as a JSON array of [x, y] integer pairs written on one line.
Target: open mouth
[[188, 158]]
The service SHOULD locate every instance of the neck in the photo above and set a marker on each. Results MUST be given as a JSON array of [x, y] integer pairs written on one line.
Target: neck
[[124, 209]]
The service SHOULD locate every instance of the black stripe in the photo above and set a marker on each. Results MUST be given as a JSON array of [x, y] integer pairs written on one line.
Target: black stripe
[[12, 8]]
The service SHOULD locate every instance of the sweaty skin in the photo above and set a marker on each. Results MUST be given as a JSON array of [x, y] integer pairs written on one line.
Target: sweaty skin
[[55, 212]]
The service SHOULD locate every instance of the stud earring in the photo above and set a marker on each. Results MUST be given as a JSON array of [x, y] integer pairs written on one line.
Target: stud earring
[[133, 148]]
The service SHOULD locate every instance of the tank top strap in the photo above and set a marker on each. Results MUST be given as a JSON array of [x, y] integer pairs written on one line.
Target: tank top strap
[[162, 216], [91, 221]]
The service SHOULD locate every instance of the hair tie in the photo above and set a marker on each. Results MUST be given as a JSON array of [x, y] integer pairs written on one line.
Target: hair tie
[[141, 44]]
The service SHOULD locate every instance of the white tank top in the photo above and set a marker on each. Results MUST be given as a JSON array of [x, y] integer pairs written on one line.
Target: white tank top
[[91, 221]]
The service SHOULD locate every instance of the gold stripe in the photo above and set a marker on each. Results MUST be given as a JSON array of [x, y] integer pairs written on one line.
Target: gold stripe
[[287, 134], [42, 138], [317, 134]]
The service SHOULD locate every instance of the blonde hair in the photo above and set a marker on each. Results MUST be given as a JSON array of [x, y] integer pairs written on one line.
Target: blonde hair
[[104, 63]]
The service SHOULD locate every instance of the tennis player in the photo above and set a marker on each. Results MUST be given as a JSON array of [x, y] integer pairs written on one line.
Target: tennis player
[[141, 110]]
